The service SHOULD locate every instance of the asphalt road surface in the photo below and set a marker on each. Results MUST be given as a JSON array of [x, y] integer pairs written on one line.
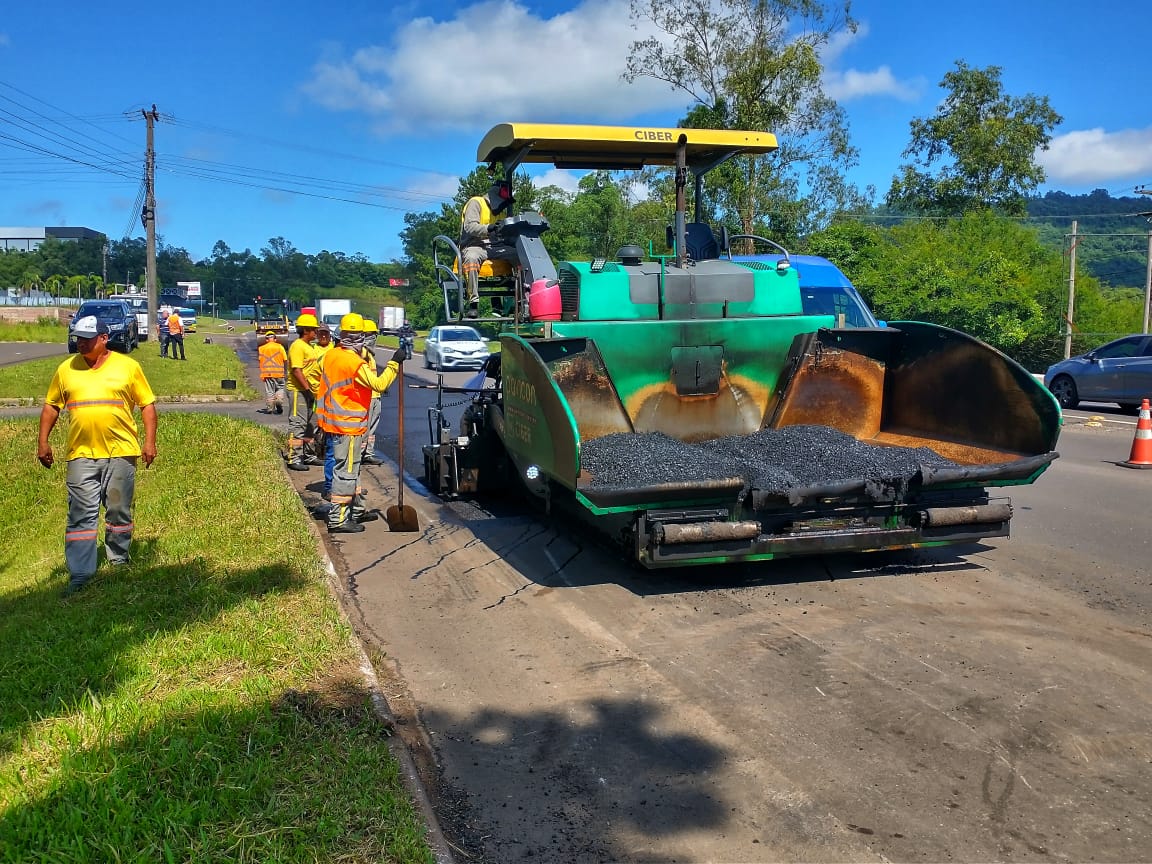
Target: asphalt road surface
[[982, 703]]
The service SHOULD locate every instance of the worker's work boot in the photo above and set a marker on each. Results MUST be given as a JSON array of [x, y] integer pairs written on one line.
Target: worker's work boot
[[342, 519]]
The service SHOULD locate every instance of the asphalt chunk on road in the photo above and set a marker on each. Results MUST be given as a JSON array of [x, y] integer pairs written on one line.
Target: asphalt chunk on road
[[773, 460]]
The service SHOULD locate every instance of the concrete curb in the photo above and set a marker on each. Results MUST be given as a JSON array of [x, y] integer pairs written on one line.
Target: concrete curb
[[441, 850]]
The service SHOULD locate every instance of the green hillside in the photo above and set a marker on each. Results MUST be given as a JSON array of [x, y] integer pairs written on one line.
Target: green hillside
[[1113, 243]]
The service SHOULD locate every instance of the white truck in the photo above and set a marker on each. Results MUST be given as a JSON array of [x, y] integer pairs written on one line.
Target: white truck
[[391, 318], [139, 304], [329, 311]]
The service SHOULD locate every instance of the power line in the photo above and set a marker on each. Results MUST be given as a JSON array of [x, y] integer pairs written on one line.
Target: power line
[[189, 124]]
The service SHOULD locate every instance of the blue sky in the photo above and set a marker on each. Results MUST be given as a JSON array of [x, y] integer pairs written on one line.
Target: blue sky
[[365, 105]]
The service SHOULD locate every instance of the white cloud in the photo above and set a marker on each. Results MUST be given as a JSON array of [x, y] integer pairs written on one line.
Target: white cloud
[[560, 177], [496, 61], [1095, 156], [434, 185], [500, 61], [843, 85]]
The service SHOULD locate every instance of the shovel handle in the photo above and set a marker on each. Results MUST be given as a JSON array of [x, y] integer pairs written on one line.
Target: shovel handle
[[400, 434]]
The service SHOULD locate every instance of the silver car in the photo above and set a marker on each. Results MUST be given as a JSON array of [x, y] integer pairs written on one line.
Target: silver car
[[453, 346], [1120, 372]]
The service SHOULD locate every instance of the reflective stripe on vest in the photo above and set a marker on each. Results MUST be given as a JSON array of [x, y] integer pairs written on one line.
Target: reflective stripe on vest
[[273, 361], [342, 403]]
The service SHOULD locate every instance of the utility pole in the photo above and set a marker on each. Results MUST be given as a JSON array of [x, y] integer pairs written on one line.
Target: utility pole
[[148, 216], [1143, 190], [105, 276], [1148, 285], [1071, 293]]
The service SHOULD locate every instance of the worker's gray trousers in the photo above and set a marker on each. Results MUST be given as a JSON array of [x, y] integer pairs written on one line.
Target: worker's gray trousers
[[300, 424], [274, 391], [345, 495], [472, 258], [93, 483], [369, 445]]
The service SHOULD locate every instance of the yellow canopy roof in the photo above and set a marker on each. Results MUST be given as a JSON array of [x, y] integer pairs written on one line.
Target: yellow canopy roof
[[615, 147]]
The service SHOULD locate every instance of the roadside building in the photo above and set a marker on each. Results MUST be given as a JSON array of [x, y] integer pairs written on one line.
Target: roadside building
[[23, 239]]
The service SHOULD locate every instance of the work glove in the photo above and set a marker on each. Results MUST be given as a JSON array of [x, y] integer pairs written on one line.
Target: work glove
[[399, 355], [494, 229]]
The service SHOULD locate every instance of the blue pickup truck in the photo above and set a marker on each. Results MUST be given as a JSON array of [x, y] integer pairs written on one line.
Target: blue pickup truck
[[824, 290]]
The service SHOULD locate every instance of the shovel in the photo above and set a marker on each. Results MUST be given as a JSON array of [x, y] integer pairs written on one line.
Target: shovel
[[399, 517]]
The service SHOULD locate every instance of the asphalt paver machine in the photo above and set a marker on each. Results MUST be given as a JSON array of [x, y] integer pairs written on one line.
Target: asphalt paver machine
[[688, 409]]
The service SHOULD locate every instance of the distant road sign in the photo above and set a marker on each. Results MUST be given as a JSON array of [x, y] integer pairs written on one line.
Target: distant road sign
[[397, 283]]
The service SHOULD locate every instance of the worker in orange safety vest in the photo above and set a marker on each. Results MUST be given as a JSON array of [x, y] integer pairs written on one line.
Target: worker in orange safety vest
[[342, 407], [176, 335], [273, 372]]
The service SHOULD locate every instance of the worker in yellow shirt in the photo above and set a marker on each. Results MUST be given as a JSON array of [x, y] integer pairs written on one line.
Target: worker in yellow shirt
[[323, 340], [368, 446], [323, 345], [273, 370], [100, 389], [346, 387], [303, 377]]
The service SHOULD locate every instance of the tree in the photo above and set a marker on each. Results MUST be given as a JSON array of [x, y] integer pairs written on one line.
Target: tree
[[755, 64], [984, 144], [983, 274]]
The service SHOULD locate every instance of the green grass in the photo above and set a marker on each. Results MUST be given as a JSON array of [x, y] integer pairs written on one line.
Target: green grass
[[46, 329], [201, 703], [206, 367]]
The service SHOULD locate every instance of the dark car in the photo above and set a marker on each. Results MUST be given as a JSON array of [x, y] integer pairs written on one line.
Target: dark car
[[123, 330], [1120, 372]]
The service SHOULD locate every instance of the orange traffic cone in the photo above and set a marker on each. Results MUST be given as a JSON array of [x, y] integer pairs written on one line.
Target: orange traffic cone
[[1142, 444]]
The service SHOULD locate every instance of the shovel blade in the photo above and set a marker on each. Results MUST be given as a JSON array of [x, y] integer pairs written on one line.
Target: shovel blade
[[402, 518]]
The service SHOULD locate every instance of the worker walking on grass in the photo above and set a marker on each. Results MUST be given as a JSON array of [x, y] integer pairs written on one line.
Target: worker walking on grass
[[162, 329], [368, 447], [301, 388], [176, 335], [346, 387], [273, 371], [477, 222], [100, 389]]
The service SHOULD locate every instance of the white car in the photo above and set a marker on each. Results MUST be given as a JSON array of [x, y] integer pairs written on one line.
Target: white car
[[453, 346]]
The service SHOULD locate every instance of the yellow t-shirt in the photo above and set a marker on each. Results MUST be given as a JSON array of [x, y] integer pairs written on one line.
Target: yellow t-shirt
[[302, 355], [370, 358], [100, 403]]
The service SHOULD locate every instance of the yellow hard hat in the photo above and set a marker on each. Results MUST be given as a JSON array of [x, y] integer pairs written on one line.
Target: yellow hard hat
[[370, 326], [352, 323], [307, 319]]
